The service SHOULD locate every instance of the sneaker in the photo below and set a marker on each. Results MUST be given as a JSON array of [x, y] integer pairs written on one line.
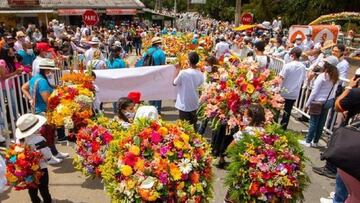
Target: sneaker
[[2, 139], [326, 200], [315, 145], [306, 144], [323, 171], [62, 155], [332, 195], [54, 161]]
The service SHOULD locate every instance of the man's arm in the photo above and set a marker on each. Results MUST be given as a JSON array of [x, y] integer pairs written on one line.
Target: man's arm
[[176, 75], [352, 84]]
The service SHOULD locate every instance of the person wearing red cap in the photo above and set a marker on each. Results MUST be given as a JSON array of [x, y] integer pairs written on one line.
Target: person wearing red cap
[[135, 97], [43, 51]]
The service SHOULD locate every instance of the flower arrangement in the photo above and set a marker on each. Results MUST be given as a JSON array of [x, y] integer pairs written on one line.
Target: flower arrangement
[[23, 167], [92, 142], [158, 161], [266, 167], [234, 87], [91, 145], [70, 105]]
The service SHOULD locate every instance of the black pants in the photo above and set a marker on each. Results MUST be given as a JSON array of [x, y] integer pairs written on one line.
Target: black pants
[[287, 113], [43, 188], [191, 117]]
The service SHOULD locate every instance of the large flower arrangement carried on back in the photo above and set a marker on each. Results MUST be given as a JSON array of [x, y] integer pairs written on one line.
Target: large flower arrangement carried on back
[[92, 143], [158, 161], [23, 167], [266, 167], [70, 105], [234, 87]]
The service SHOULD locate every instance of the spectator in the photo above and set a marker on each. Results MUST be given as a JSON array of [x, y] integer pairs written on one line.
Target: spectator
[[221, 48], [292, 75], [43, 51], [262, 59], [20, 36], [323, 91], [27, 54], [348, 101], [89, 54], [188, 81], [308, 43], [115, 61], [126, 111], [343, 65], [96, 63], [37, 36]]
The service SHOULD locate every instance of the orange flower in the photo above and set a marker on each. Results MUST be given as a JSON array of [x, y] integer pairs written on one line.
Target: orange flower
[[140, 165], [163, 131], [195, 177]]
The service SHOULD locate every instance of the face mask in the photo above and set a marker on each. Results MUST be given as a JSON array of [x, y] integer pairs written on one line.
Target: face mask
[[246, 121], [29, 51], [129, 115]]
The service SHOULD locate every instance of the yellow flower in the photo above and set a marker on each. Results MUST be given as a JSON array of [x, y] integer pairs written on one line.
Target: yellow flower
[[140, 165], [180, 186], [130, 184], [135, 150], [185, 137], [175, 172], [35, 167], [126, 170], [178, 144], [250, 88], [163, 131]]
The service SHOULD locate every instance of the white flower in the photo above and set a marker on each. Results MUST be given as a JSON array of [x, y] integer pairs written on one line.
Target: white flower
[[185, 166], [19, 149], [68, 123], [148, 183], [249, 75]]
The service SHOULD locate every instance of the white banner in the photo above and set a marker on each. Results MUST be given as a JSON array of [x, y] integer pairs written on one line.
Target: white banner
[[154, 83]]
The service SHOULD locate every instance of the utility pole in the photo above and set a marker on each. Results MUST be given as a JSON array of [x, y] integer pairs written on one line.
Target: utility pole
[[175, 6], [238, 12], [188, 5]]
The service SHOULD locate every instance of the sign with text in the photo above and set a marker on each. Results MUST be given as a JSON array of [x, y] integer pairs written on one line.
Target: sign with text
[[23, 3], [90, 17], [247, 18], [198, 1]]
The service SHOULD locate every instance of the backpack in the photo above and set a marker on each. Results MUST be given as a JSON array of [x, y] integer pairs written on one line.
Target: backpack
[[149, 59]]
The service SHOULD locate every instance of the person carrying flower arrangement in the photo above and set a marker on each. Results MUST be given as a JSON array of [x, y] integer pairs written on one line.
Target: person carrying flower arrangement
[[188, 82], [37, 90], [28, 128], [126, 112], [254, 119]]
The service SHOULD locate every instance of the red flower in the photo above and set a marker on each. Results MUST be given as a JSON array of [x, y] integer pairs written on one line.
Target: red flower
[[71, 93], [155, 138], [130, 159], [222, 85], [254, 188], [54, 102], [95, 146], [107, 137]]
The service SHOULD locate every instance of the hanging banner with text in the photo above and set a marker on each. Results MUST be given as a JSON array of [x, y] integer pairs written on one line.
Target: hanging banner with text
[[154, 83]]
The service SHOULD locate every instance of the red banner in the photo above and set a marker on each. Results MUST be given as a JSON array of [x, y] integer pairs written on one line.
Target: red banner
[[23, 3], [113, 12], [71, 12]]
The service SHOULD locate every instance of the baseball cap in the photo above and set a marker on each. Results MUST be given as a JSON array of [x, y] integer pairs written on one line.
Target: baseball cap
[[43, 47], [331, 60]]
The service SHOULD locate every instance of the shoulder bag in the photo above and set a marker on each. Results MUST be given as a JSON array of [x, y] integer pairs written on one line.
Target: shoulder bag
[[316, 107]]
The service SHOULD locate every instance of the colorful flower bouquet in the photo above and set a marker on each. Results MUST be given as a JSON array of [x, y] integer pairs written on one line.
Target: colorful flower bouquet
[[92, 143], [70, 105], [266, 167], [158, 162], [23, 167], [234, 88]]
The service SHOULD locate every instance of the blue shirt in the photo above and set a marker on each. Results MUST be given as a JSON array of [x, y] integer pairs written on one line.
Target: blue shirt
[[42, 87], [115, 64], [195, 41], [27, 59], [157, 54]]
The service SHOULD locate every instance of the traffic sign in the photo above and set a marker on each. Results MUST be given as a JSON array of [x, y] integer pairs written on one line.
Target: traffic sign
[[90, 17], [247, 18]]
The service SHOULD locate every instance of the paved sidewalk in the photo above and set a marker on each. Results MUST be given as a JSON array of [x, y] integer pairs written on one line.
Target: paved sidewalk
[[70, 186]]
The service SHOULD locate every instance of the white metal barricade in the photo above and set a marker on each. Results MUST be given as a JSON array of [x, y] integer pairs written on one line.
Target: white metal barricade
[[276, 64]]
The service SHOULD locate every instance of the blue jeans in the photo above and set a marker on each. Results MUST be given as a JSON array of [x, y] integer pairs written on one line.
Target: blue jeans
[[157, 104], [341, 192], [317, 123]]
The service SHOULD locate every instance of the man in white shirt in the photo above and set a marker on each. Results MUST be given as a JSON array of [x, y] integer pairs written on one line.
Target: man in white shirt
[[343, 65], [292, 75], [263, 60], [188, 81], [221, 48], [308, 44], [89, 54]]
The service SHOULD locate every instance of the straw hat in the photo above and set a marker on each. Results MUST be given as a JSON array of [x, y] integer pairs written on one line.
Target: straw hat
[[156, 40], [48, 64], [94, 41], [20, 34], [28, 124]]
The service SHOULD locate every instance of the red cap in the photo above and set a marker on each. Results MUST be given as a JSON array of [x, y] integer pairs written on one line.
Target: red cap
[[43, 47], [135, 97]]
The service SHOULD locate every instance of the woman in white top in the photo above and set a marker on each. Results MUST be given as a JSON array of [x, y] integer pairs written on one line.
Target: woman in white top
[[323, 91]]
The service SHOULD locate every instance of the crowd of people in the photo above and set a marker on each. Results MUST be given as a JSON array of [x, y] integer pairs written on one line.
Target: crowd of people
[[321, 67]]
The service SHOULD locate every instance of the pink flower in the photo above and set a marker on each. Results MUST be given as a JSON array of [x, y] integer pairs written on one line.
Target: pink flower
[[164, 178], [155, 137], [164, 150]]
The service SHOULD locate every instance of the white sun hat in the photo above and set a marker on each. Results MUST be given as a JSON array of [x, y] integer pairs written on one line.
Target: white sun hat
[[149, 112], [48, 64], [94, 41], [28, 124]]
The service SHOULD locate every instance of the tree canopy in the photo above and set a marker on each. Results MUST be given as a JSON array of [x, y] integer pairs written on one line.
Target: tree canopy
[[292, 11]]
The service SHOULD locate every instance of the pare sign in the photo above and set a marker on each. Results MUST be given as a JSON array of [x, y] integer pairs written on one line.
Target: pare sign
[[90, 17]]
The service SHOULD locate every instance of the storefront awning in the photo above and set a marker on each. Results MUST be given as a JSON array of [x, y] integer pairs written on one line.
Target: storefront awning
[[71, 12], [25, 11], [121, 12]]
